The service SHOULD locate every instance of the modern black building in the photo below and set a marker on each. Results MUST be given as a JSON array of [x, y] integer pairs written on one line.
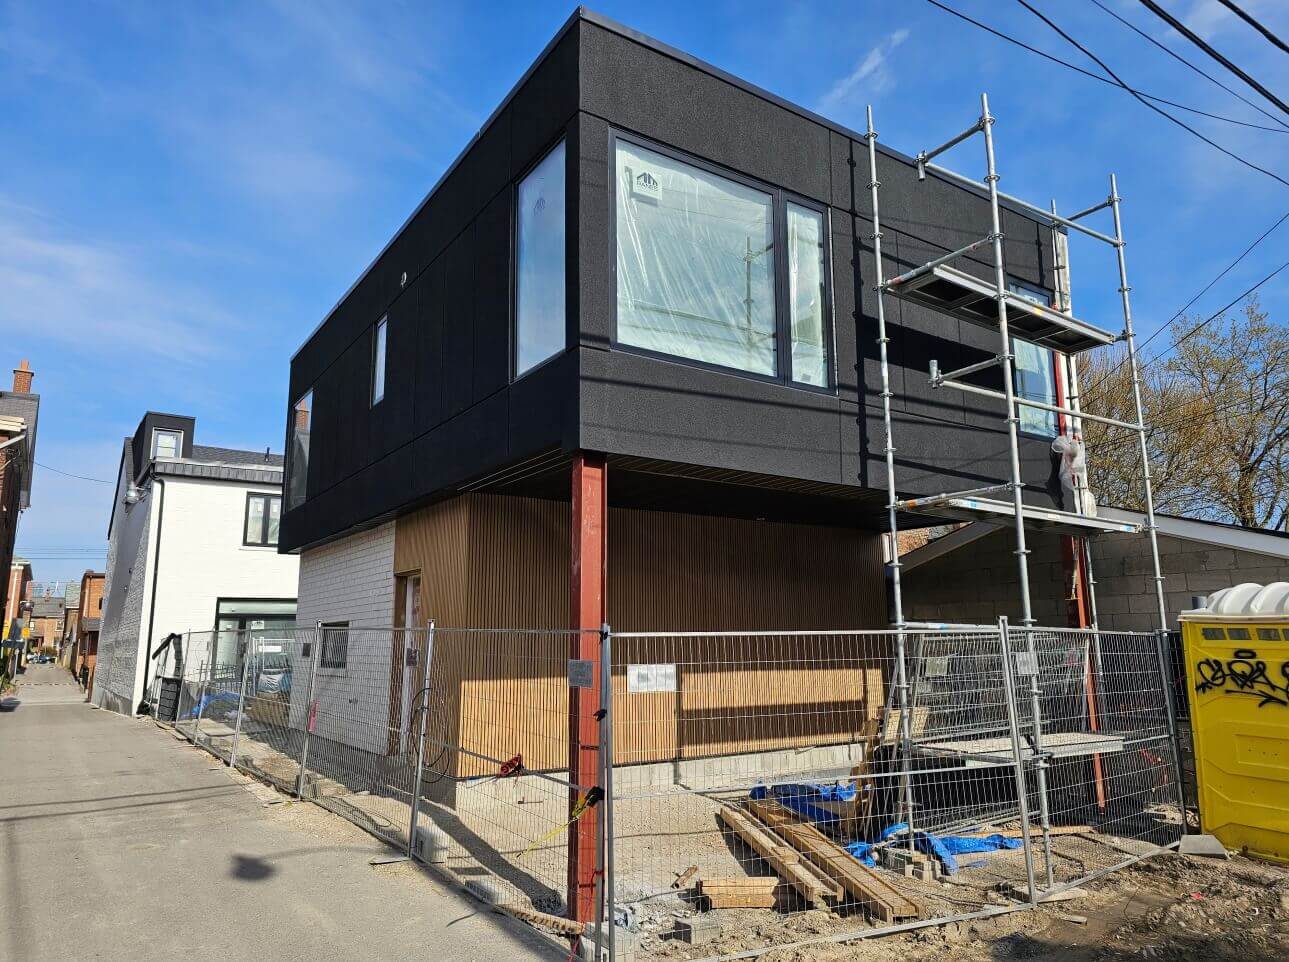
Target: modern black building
[[645, 264]]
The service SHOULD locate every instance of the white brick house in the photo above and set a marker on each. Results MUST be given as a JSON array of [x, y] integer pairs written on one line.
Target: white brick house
[[192, 546]]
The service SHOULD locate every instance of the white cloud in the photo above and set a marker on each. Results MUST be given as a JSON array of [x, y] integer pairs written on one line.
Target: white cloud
[[99, 297], [870, 74]]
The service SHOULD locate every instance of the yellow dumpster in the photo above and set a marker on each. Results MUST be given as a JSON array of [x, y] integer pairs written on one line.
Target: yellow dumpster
[[1237, 673]]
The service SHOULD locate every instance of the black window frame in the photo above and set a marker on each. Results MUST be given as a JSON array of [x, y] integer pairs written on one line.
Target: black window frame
[[288, 458], [1059, 358], [264, 519], [332, 630], [780, 198], [379, 352], [569, 218]]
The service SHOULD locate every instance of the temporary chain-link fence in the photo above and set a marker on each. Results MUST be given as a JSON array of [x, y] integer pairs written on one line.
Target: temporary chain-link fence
[[768, 789]]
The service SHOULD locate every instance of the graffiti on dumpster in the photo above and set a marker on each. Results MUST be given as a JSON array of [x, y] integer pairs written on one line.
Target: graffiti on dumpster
[[1244, 673]]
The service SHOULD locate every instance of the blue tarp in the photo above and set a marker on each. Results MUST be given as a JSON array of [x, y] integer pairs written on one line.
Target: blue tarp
[[207, 700], [802, 798], [945, 847]]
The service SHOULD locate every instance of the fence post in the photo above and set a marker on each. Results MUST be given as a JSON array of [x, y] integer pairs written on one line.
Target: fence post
[[1170, 709], [1040, 760], [606, 907], [316, 654], [1022, 800], [241, 702], [424, 697], [205, 670]]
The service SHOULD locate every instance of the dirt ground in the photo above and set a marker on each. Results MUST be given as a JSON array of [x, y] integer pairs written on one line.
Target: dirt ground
[[1170, 908]]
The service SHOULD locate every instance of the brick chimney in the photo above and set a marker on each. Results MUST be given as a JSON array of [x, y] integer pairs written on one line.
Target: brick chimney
[[301, 418], [22, 376]]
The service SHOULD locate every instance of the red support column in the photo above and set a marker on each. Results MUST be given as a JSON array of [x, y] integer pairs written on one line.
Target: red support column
[[589, 557]]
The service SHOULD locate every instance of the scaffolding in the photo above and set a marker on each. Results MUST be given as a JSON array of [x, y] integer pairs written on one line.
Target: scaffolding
[[939, 286], [944, 288]]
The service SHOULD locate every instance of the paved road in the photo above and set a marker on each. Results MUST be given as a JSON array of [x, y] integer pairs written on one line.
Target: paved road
[[119, 842]]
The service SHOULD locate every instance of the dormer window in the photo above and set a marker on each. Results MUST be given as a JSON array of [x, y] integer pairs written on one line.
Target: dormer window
[[166, 444]]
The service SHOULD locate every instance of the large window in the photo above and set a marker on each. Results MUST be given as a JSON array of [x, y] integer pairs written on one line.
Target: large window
[[540, 277], [705, 271], [167, 444], [298, 451], [1035, 369], [378, 361], [263, 513]]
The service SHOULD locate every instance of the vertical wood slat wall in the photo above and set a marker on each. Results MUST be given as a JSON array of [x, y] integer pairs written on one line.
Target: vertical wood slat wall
[[495, 561]]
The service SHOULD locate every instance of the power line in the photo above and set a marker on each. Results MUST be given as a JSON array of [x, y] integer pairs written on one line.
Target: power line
[[1161, 112], [1095, 76], [1254, 24], [1199, 41], [80, 477], [1182, 60], [1185, 307], [1208, 320]]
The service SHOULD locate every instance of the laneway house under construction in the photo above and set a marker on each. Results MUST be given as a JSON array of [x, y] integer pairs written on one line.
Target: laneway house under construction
[[624, 365]]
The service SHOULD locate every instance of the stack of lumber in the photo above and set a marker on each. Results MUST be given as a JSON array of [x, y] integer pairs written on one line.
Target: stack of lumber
[[820, 857], [813, 886], [739, 893]]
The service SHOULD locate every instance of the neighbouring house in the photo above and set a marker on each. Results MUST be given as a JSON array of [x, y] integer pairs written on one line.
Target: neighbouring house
[[19, 410], [71, 617], [969, 575], [192, 546], [16, 593], [46, 619], [621, 365], [84, 639]]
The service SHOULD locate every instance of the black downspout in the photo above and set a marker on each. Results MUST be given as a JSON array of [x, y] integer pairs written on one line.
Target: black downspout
[[144, 708]]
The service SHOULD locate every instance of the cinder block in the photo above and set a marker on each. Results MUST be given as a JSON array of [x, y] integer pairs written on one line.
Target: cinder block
[[698, 930]]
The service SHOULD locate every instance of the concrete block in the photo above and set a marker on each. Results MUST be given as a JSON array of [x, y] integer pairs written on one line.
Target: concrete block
[[1204, 845], [1217, 559], [698, 930]]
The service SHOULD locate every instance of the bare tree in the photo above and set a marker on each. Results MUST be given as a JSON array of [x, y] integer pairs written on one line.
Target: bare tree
[[1219, 407]]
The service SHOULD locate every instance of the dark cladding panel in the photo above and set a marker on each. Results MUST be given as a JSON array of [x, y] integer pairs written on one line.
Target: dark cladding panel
[[427, 408], [545, 104], [493, 297], [458, 322], [632, 404], [646, 91], [391, 419], [543, 407], [594, 266]]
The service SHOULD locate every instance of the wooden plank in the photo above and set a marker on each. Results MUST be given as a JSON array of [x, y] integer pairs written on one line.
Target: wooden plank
[[752, 883], [740, 900], [783, 859], [867, 886]]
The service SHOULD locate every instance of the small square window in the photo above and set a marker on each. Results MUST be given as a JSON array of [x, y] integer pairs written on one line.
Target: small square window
[[335, 645], [378, 361], [167, 444], [263, 513]]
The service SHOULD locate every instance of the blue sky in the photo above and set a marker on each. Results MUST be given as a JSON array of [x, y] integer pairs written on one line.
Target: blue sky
[[188, 188]]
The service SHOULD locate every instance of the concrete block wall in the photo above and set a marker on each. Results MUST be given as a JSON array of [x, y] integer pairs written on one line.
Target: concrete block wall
[[978, 582], [352, 581]]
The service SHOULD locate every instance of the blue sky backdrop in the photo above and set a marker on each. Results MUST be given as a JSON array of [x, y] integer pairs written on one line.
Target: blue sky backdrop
[[188, 188]]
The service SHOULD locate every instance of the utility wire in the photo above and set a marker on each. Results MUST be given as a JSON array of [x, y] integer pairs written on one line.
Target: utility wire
[[1096, 76], [1199, 41], [1182, 60], [1185, 307], [1162, 113], [1254, 24], [80, 477]]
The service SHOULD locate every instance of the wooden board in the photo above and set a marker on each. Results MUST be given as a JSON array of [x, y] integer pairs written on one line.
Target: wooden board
[[750, 883], [882, 898], [785, 860], [740, 900]]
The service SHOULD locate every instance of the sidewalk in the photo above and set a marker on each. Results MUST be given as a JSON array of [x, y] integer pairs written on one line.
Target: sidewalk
[[118, 841]]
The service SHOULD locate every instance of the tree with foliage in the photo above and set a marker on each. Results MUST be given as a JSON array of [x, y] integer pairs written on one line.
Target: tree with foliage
[[1218, 407]]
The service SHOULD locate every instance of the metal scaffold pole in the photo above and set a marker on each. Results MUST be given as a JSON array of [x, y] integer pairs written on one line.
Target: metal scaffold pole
[[1131, 339], [1008, 357], [892, 499]]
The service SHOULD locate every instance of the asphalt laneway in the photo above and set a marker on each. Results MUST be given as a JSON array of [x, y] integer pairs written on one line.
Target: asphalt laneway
[[118, 842]]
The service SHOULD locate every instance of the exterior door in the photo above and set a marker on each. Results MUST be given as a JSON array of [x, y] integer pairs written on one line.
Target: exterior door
[[408, 617]]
